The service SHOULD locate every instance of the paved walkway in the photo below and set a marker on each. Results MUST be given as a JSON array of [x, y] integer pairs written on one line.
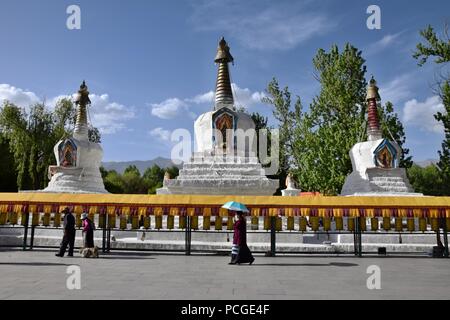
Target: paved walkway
[[131, 275]]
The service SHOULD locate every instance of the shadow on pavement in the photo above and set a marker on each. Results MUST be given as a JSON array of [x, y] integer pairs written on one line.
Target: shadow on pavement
[[332, 264], [34, 264]]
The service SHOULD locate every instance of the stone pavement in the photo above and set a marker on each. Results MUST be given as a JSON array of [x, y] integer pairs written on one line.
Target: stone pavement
[[137, 275]]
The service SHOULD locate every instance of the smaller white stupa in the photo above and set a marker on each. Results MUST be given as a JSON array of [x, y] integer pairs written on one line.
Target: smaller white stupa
[[78, 160], [376, 162]]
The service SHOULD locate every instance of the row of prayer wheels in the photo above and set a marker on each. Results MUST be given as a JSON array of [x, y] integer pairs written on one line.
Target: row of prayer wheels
[[218, 222]]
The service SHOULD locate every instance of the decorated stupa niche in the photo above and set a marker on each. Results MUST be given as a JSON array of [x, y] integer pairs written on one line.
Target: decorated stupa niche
[[375, 162], [221, 164], [78, 160]]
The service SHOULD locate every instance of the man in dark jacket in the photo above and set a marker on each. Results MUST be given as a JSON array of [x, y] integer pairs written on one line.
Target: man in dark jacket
[[69, 234]]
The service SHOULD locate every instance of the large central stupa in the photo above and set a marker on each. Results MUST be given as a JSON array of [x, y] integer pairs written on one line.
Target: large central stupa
[[225, 161]]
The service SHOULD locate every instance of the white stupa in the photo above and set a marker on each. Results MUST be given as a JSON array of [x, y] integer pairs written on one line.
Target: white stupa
[[225, 161], [376, 162], [78, 160]]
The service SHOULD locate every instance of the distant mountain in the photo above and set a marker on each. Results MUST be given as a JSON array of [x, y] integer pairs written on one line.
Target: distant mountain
[[426, 163], [142, 165]]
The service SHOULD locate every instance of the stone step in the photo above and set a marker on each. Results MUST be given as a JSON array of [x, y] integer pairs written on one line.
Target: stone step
[[387, 178], [208, 173], [388, 184]]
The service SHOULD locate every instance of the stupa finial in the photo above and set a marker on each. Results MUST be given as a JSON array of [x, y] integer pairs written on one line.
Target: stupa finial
[[82, 101], [223, 94], [373, 130]]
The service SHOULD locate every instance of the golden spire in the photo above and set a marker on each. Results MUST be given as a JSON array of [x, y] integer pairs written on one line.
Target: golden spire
[[223, 94], [82, 101]]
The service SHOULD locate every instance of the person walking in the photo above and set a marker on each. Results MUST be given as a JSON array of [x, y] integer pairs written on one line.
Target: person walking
[[88, 231], [69, 234], [240, 252]]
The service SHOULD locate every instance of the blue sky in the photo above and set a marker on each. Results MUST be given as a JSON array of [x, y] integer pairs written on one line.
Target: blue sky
[[149, 64]]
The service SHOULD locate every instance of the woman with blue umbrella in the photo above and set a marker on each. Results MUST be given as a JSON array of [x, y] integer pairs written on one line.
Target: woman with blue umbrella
[[240, 253]]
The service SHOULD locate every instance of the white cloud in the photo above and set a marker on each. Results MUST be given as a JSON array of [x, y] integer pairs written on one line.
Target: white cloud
[[176, 107], [420, 114], [108, 116], [160, 133], [385, 42], [207, 97], [17, 96], [246, 98], [260, 26], [398, 89], [169, 108]]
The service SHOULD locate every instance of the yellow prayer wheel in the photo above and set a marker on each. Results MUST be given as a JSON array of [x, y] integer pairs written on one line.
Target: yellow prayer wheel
[[351, 224], [123, 222], [91, 216], [3, 218], [112, 221], [135, 222], [411, 224], [35, 219], [266, 223], [23, 218], [448, 223], [387, 223], [57, 220], [362, 224], [78, 222], [158, 222], [290, 223], [194, 222], [206, 223], [434, 224], [314, 223], [101, 221], [398, 224], [422, 224], [46, 220], [13, 218], [278, 224], [170, 222], [326, 223], [230, 223], [339, 223], [255, 223], [218, 223], [374, 224], [182, 222], [302, 224], [147, 222]]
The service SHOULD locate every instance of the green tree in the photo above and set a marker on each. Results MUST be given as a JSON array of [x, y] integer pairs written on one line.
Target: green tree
[[428, 180], [153, 177], [113, 182], [439, 48], [436, 47], [8, 177], [287, 116]]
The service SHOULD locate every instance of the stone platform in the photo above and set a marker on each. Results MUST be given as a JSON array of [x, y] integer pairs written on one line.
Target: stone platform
[[221, 175]]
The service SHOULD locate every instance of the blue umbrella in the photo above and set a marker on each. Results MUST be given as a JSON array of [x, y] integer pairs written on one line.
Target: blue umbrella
[[235, 206]]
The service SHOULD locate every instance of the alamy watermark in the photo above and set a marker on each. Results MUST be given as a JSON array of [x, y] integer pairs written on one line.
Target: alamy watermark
[[374, 280], [374, 20], [73, 21], [73, 281]]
